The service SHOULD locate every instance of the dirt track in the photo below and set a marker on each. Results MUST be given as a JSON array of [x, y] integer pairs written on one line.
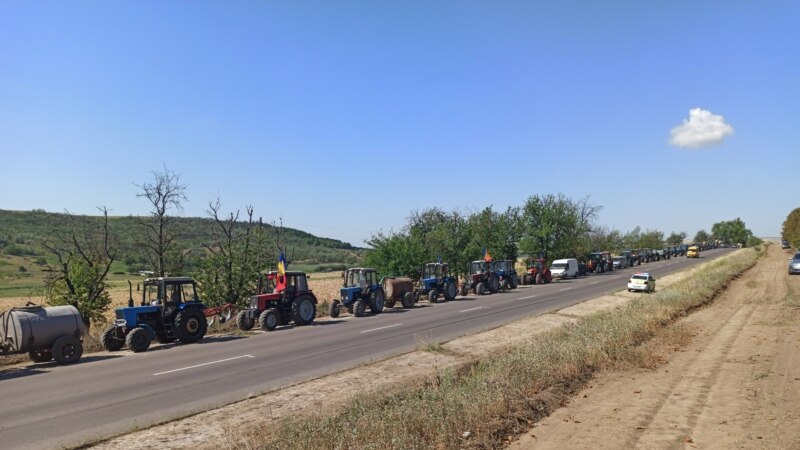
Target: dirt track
[[736, 385]]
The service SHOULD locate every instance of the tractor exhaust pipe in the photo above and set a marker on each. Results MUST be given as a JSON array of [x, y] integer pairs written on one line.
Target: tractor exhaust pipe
[[130, 294]]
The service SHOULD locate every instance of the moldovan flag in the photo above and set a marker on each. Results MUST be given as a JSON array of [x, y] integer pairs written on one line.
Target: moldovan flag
[[281, 264], [486, 255]]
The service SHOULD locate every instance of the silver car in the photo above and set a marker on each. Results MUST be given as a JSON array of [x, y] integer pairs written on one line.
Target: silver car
[[794, 264]]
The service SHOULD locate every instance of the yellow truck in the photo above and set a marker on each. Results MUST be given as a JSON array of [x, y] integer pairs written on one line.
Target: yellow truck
[[693, 252]]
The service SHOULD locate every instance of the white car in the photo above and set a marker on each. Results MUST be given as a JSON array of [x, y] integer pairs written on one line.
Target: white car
[[642, 281]]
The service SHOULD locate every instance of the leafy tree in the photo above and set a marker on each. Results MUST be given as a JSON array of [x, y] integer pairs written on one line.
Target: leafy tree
[[652, 239], [676, 238], [731, 231], [555, 226], [164, 193], [702, 236], [791, 228], [78, 276]]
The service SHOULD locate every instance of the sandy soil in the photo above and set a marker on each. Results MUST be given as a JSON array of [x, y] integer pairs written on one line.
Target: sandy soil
[[736, 385]]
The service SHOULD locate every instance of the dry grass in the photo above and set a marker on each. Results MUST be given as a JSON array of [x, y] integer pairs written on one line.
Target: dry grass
[[484, 404]]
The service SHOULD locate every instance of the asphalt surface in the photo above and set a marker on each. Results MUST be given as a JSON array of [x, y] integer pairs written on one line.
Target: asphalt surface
[[46, 406]]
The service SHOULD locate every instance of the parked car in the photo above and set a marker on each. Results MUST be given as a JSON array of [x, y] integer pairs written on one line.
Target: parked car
[[620, 262], [794, 264], [785, 244], [642, 281], [583, 269], [564, 268]]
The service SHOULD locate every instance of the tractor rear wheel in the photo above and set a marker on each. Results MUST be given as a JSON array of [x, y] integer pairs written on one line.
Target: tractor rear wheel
[[268, 320], [514, 282], [138, 340], [335, 309], [243, 321], [358, 308], [67, 349], [494, 285], [190, 325], [433, 296], [377, 302], [408, 300], [480, 288], [41, 354], [450, 291], [303, 310], [112, 339]]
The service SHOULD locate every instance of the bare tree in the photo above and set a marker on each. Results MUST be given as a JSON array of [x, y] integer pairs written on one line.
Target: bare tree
[[165, 192], [83, 259]]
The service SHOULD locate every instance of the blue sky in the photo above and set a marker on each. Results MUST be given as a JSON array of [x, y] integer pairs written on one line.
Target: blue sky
[[342, 117]]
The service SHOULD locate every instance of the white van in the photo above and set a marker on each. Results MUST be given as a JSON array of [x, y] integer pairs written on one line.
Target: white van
[[564, 268]]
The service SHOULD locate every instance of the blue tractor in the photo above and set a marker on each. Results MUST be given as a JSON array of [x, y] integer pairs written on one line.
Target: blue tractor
[[360, 290], [436, 281], [506, 270], [170, 312]]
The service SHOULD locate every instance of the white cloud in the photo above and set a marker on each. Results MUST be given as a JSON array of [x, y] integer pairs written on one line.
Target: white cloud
[[702, 129]]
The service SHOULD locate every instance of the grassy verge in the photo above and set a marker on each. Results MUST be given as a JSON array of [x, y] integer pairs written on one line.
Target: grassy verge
[[480, 406]]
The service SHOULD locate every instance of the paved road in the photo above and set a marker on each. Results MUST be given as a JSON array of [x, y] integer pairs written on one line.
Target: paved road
[[45, 406]]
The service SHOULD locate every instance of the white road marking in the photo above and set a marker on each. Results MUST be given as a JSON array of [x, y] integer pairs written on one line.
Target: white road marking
[[530, 296], [382, 328], [201, 365], [565, 289], [471, 309], [595, 282]]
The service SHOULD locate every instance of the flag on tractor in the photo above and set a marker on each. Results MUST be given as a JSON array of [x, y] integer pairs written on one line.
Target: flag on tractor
[[281, 264], [486, 255]]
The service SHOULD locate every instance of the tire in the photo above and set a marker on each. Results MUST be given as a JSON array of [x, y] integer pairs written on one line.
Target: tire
[[433, 296], [538, 279], [68, 349], [190, 325], [358, 308], [514, 282], [303, 310], [494, 285], [111, 339], [377, 302], [463, 291], [138, 340], [408, 300], [389, 304], [450, 291], [335, 309], [243, 322], [269, 319], [480, 288], [41, 354]]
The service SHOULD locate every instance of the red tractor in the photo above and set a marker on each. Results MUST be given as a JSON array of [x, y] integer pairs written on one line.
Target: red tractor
[[282, 298], [538, 272]]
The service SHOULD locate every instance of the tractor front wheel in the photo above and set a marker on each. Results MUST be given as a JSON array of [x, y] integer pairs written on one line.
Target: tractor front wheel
[[480, 288], [303, 310], [538, 278], [433, 296], [190, 325], [358, 308], [377, 302], [494, 285], [335, 309], [112, 339], [41, 354], [243, 321], [138, 340], [463, 291], [450, 291], [408, 300], [268, 320]]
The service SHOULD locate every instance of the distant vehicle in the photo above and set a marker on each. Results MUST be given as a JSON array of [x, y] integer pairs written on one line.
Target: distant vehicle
[[642, 281], [785, 244], [564, 268], [583, 269], [620, 262], [693, 252], [794, 264]]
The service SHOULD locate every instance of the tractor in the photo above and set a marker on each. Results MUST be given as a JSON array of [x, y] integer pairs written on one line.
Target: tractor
[[436, 281], [170, 312], [537, 272], [600, 262], [481, 279], [359, 290], [283, 297], [504, 269]]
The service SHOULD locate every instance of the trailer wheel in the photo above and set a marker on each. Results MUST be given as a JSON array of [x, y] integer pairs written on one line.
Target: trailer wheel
[[450, 291], [41, 354], [408, 300], [111, 339], [190, 325], [268, 320], [480, 288], [377, 302], [243, 321], [335, 309], [67, 349], [303, 310], [433, 296], [138, 340], [358, 308], [463, 291]]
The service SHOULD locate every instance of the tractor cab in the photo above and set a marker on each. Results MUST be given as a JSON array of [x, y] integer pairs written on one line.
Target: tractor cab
[[481, 279], [479, 267], [360, 289], [436, 280], [537, 272], [504, 268], [433, 272], [288, 283], [281, 298]]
